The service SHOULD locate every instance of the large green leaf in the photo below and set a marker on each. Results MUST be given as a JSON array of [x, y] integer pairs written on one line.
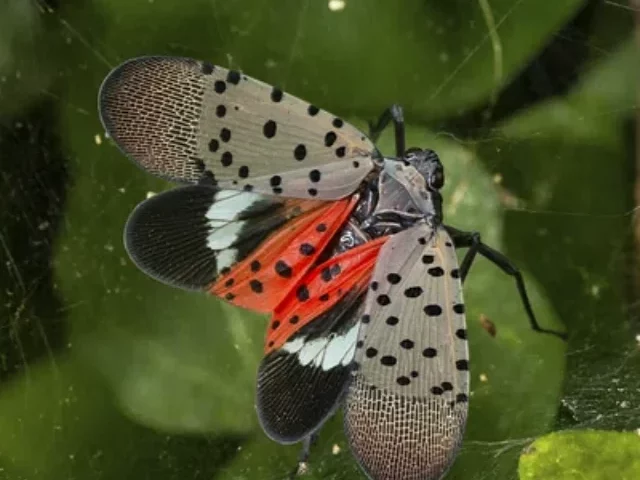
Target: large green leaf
[[357, 60], [589, 455]]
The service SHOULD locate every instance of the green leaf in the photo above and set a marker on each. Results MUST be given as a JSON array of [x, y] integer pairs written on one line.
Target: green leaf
[[59, 422], [420, 54], [588, 455], [564, 165]]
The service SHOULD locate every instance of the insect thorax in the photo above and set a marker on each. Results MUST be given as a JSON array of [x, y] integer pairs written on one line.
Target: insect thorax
[[393, 200]]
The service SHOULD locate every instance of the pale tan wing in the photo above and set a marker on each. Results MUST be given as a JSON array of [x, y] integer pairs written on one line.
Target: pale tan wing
[[184, 120], [406, 408]]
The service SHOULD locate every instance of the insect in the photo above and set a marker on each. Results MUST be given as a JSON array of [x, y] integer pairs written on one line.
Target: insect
[[292, 212]]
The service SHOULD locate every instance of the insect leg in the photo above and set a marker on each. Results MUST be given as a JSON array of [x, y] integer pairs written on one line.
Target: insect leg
[[395, 113], [474, 242], [302, 466]]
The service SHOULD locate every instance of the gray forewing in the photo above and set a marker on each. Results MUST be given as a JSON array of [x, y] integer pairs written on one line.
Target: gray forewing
[[406, 407], [184, 120]]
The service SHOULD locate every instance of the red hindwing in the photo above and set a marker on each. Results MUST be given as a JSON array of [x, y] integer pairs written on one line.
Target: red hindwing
[[263, 279], [320, 289]]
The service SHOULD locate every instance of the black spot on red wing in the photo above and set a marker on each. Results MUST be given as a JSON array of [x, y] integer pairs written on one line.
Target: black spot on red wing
[[435, 271], [427, 259], [383, 300], [229, 283], [269, 129], [219, 86], [324, 297], [295, 319], [276, 94], [388, 360], [458, 308], [462, 364], [226, 159], [229, 296], [307, 249], [413, 292], [275, 324], [313, 110], [371, 352], [325, 274], [337, 122], [437, 390], [302, 293], [233, 77], [403, 381], [429, 352], [335, 269], [256, 286], [433, 310], [214, 145], [340, 152], [300, 152], [221, 111], [391, 321], [461, 333], [330, 139], [321, 227], [407, 344], [283, 269], [255, 266]]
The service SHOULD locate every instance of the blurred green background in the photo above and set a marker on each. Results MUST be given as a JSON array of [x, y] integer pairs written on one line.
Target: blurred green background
[[532, 106]]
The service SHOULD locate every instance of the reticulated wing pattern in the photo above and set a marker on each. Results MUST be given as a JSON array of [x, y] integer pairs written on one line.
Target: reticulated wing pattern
[[299, 385], [406, 406], [185, 120], [261, 278], [191, 236]]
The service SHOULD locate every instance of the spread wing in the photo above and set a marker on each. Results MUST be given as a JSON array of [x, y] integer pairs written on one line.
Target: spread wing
[[406, 407], [185, 120], [246, 248]]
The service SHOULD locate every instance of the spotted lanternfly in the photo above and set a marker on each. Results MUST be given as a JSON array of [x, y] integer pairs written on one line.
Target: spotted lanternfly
[[294, 213]]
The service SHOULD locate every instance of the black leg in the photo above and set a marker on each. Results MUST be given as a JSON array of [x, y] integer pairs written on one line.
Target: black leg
[[473, 241], [302, 466], [395, 113]]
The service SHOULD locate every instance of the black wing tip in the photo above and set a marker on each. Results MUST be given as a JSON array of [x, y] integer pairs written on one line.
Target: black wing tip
[[162, 261], [117, 115], [326, 401]]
